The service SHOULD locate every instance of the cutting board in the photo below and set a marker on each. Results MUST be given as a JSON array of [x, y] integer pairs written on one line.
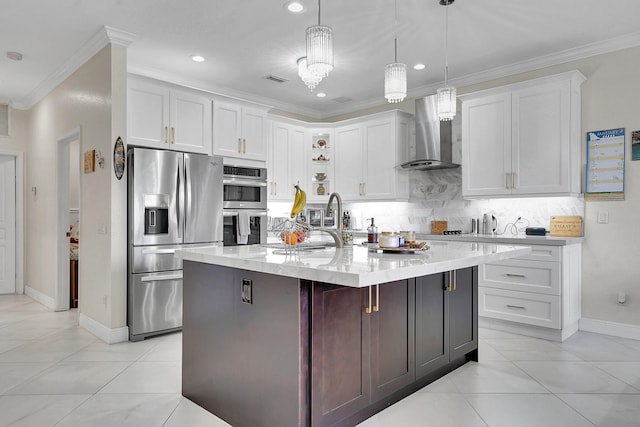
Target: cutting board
[[438, 227], [565, 226]]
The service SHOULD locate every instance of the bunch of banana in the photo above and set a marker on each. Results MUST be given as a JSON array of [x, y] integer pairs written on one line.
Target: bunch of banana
[[299, 202]]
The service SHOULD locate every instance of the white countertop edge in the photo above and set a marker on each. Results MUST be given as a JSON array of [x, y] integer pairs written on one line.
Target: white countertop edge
[[496, 238], [217, 256]]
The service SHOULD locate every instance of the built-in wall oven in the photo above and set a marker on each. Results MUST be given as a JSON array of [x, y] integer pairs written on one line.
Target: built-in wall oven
[[245, 205]]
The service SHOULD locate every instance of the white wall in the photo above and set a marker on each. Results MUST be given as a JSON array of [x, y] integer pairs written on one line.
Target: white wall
[[94, 99]]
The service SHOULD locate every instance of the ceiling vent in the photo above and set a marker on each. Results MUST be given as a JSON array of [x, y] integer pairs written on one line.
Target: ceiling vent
[[342, 99], [276, 79]]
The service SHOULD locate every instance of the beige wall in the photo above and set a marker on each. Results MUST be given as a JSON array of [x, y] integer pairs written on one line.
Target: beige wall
[[94, 99], [17, 139]]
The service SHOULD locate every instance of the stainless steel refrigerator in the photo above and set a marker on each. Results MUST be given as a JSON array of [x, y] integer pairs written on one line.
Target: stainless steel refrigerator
[[174, 201]]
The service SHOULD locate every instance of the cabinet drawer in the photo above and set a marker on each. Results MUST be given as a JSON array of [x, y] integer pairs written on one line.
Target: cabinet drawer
[[523, 307], [543, 253], [522, 275]]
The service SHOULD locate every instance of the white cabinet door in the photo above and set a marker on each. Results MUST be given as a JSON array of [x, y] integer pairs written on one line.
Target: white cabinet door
[[349, 162], [540, 137], [254, 124], [239, 131], [148, 115], [162, 117], [379, 166], [227, 129], [190, 123], [486, 146], [523, 139], [286, 165]]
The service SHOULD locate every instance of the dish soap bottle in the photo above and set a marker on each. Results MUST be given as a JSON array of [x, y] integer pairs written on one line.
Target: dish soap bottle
[[372, 232]]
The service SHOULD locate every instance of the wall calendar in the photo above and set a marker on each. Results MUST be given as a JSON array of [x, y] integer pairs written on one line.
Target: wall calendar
[[605, 164]]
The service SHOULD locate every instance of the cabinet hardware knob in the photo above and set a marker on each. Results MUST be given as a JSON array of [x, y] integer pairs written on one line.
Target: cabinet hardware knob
[[516, 306]]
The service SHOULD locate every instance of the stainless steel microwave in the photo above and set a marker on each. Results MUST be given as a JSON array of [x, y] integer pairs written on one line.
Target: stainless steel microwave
[[244, 187]]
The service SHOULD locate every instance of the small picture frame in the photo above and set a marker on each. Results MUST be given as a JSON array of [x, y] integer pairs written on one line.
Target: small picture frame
[[118, 158], [635, 145], [89, 161]]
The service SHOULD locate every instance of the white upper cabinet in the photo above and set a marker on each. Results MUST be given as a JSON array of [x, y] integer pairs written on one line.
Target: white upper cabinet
[[160, 116], [239, 131], [368, 153], [523, 139], [286, 161]]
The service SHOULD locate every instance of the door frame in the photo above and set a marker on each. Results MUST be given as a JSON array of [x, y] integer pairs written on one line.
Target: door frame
[[62, 291], [19, 160]]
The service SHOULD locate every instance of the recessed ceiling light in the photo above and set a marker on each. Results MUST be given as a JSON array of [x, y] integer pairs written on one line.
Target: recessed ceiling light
[[198, 58], [321, 94], [294, 6], [15, 56], [419, 67]]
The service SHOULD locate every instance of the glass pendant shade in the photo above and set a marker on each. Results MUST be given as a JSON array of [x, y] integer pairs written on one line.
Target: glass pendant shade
[[446, 103], [395, 82], [320, 50], [310, 79]]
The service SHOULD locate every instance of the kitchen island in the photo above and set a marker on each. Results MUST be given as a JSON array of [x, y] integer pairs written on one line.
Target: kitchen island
[[328, 337]]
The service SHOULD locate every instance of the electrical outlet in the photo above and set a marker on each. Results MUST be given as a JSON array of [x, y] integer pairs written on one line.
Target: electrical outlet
[[247, 290], [603, 217]]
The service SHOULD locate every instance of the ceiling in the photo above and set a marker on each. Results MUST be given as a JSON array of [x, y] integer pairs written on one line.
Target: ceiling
[[244, 41]]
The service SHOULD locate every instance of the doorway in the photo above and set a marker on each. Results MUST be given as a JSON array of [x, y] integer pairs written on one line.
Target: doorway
[[7, 225], [67, 295]]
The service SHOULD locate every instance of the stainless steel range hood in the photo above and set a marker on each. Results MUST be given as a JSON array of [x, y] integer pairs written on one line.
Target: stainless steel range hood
[[434, 139]]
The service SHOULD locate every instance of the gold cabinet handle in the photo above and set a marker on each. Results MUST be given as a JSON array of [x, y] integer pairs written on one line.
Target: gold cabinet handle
[[275, 188], [364, 189], [368, 308], [376, 307], [244, 146], [506, 180], [173, 135], [455, 280], [513, 179], [166, 134], [239, 145]]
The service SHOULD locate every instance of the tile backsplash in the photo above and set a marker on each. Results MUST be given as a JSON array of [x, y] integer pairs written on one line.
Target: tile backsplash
[[437, 195]]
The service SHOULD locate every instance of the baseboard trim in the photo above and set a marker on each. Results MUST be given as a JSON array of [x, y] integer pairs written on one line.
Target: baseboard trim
[[528, 330], [622, 330], [110, 336], [38, 296]]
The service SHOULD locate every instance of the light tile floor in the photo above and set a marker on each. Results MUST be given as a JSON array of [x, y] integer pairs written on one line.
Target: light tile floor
[[54, 373]]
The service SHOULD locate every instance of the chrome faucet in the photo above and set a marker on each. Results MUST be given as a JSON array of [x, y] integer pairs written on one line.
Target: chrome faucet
[[337, 233]]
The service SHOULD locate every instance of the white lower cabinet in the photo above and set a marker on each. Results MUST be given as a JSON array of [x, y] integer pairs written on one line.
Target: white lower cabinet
[[537, 295]]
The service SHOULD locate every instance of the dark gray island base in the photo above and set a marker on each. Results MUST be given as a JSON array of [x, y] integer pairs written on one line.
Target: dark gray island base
[[305, 353]]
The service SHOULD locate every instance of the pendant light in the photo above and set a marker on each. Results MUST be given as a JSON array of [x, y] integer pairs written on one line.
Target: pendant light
[[395, 74], [320, 48], [446, 94], [310, 79]]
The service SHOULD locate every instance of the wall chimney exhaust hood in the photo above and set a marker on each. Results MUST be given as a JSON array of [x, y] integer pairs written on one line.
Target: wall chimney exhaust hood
[[434, 139]]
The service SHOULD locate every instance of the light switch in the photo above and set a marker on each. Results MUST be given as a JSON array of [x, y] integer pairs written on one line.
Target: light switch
[[603, 217]]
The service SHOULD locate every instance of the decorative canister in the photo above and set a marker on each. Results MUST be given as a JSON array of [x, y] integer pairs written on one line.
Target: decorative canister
[[320, 190], [389, 239]]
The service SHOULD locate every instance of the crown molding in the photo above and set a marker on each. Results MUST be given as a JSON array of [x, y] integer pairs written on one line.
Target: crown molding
[[94, 45]]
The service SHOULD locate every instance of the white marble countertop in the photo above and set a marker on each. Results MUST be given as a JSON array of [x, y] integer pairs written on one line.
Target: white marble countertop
[[505, 238], [355, 266]]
